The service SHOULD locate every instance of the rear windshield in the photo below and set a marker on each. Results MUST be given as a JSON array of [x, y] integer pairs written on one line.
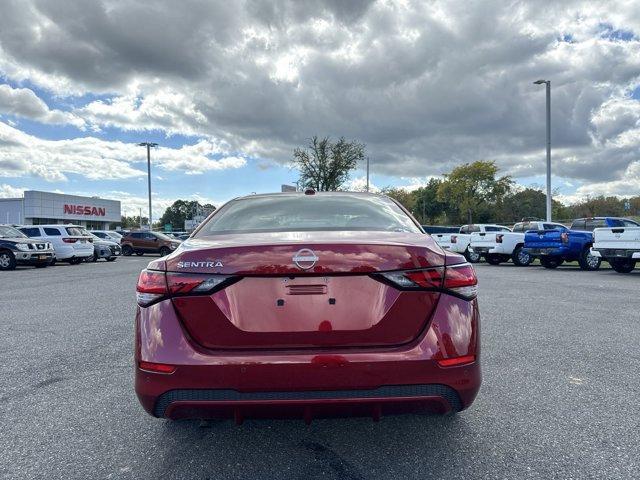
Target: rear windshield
[[623, 222], [496, 229], [75, 231], [309, 213], [10, 232]]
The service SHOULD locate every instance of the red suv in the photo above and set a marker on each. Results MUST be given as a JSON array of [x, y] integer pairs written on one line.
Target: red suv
[[304, 305]]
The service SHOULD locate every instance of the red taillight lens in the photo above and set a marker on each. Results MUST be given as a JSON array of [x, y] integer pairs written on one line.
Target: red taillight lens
[[459, 279], [181, 283], [499, 238], [151, 286], [431, 278], [454, 239], [69, 240], [156, 367], [462, 280], [564, 236], [154, 285]]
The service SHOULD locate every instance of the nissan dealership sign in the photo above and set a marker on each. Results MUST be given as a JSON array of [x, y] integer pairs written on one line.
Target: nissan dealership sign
[[85, 210]]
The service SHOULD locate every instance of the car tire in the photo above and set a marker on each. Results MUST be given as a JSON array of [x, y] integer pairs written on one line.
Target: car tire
[[472, 257], [94, 258], [622, 265], [550, 262], [52, 262], [139, 253], [127, 250], [589, 262], [164, 251], [7, 260], [75, 261], [111, 259], [520, 257], [493, 259]]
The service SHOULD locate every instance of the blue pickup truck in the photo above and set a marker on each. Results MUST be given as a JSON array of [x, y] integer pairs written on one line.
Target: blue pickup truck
[[553, 247]]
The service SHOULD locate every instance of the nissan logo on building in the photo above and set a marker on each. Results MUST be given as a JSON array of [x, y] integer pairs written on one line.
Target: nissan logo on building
[[305, 259]]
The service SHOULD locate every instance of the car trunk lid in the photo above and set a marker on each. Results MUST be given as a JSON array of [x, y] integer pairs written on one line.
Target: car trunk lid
[[305, 293]]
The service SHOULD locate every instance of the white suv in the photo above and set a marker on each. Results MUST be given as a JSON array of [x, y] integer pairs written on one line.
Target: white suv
[[68, 241]]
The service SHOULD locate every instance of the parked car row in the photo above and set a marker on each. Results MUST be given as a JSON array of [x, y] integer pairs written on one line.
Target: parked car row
[[44, 245], [587, 241]]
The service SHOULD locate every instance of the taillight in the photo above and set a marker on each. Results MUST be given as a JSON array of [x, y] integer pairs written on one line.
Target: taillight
[[69, 240], [153, 285], [564, 236], [454, 239], [459, 280], [462, 280], [499, 238]]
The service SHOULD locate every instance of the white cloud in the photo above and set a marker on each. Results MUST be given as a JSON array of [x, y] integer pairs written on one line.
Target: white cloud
[[22, 154], [23, 102], [8, 191], [426, 85]]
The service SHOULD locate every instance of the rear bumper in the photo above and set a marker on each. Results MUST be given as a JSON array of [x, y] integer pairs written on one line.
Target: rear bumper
[[308, 382], [547, 251], [489, 249], [623, 253]]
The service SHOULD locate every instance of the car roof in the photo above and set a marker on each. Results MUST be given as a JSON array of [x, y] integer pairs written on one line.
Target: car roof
[[303, 194]]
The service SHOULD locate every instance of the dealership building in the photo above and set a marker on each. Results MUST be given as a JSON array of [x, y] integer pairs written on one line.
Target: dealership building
[[38, 208]]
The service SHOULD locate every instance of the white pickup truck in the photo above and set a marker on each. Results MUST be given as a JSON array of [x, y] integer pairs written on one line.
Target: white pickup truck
[[459, 242], [620, 246], [502, 246]]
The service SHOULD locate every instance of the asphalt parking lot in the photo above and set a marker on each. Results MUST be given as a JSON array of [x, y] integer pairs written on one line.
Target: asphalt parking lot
[[559, 398]]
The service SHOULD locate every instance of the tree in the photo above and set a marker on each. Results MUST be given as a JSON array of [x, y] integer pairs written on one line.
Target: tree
[[472, 190], [182, 210], [428, 208], [324, 165], [133, 221], [402, 196]]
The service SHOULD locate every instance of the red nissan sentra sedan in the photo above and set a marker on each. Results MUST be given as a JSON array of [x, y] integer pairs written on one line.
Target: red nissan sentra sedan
[[307, 304]]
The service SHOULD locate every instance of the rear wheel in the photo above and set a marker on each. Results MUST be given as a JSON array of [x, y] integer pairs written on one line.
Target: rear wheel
[[75, 261], [520, 257], [472, 257], [621, 265], [7, 260], [550, 262], [127, 250], [164, 251], [94, 258], [111, 259], [139, 253], [588, 261], [493, 259]]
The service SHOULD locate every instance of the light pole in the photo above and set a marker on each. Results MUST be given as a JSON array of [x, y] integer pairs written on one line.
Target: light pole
[[367, 174], [148, 145], [548, 85]]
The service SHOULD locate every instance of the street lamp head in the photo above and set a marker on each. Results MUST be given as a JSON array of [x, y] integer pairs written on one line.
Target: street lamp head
[[539, 82], [147, 144]]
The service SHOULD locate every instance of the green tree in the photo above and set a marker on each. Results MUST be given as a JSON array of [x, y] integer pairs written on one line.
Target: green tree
[[324, 165], [132, 221], [428, 208], [473, 191], [403, 197], [182, 210]]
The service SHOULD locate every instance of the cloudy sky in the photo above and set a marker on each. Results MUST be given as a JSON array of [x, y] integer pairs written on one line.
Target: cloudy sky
[[229, 88]]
